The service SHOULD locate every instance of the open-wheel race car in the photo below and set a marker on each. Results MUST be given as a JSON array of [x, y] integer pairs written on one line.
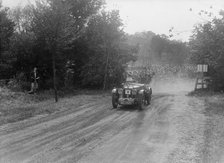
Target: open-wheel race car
[[132, 93]]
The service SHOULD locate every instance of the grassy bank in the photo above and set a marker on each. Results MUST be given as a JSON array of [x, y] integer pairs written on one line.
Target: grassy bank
[[18, 106]]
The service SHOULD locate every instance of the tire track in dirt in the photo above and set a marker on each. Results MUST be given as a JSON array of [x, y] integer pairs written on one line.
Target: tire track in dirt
[[22, 134], [7, 129], [122, 145], [65, 133], [46, 135], [52, 132], [47, 126]]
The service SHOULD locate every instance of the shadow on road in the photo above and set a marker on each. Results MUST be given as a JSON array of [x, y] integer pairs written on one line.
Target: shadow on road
[[131, 108]]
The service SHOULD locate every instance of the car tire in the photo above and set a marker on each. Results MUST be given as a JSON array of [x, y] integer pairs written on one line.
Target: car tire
[[114, 101], [148, 99], [141, 103]]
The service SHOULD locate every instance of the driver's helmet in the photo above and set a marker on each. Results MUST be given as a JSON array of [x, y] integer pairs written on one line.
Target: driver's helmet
[[129, 77]]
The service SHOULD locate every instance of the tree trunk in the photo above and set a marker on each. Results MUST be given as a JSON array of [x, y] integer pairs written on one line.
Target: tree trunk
[[105, 74], [54, 76]]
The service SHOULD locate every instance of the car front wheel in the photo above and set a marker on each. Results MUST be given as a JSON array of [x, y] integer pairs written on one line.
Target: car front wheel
[[141, 103]]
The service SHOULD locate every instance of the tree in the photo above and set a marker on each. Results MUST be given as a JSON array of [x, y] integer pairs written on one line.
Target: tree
[[56, 34], [108, 51], [158, 46], [142, 41], [176, 52], [169, 51], [23, 40], [6, 31], [57, 23], [207, 48]]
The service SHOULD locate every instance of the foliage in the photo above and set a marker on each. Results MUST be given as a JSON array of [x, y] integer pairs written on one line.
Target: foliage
[[158, 45], [158, 49], [207, 48], [48, 30], [107, 52], [169, 51], [75, 37], [142, 42], [6, 31]]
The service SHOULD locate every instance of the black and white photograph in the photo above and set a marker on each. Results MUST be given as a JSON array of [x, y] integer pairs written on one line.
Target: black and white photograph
[[111, 81]]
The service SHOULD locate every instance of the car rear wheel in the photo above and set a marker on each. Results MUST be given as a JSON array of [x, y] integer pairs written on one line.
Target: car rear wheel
[[114, 101]]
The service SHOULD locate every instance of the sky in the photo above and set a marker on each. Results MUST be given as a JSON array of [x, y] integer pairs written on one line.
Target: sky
[[158, 16]]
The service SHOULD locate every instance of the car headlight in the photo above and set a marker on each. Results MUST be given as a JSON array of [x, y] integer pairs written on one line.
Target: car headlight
[[120, 91], [141, 92], [114, 90]]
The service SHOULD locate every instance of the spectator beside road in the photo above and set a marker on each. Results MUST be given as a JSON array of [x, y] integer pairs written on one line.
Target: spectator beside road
[[34, 81]]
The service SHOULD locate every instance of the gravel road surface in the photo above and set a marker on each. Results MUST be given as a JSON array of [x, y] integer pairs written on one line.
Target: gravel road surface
[[175, 128]]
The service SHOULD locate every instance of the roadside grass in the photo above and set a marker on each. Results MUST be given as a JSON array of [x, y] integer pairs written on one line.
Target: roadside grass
[[214, 101], [215, 104], [20, 113], [18, 106], [204, 92]]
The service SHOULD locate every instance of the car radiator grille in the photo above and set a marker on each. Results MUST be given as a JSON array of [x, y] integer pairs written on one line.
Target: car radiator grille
[[128, 96]]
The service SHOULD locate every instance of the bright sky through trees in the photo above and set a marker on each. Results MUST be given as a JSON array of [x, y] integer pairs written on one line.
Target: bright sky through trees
[[158, 16]]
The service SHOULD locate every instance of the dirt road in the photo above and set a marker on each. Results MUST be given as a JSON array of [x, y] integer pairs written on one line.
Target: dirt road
[[175, 128]]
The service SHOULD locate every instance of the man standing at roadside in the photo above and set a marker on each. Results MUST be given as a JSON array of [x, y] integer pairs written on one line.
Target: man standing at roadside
[[34, 81]]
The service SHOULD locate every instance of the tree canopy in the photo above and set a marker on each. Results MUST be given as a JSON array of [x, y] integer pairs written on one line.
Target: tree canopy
[[108, 50], [6, 32], [207, 48], [70, 40]]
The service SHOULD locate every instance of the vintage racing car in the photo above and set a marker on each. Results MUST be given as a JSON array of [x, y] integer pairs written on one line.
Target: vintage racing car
[[132, 93]]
